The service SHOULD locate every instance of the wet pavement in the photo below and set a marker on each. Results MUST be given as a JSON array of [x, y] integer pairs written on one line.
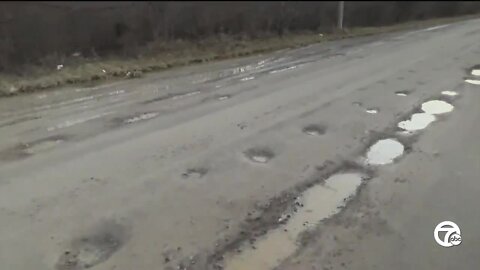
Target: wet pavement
[[232, 163]]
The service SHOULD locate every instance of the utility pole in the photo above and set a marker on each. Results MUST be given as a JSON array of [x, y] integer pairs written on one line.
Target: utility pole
[[340, 14]]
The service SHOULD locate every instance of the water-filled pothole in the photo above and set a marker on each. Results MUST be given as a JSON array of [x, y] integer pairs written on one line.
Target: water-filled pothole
[[319, 202], [402, 93], [371, 110], [384, 152], [225, 97], [437, 107], [449, 93], [418, 121], [471, 81], [476, 72], [259, 155], [315, 130]]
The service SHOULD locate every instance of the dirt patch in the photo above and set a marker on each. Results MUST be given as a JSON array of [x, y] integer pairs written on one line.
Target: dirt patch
[[92, 249]]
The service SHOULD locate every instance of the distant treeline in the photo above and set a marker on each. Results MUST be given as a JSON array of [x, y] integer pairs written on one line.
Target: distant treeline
[[30, 31]]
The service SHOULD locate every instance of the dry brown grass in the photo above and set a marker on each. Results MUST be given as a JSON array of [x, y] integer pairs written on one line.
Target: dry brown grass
[[161, 56]]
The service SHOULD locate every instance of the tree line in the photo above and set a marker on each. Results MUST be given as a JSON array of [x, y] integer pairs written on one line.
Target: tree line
[[31, 31]]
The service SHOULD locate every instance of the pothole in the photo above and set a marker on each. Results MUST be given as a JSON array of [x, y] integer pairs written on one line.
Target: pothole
[[315, 204], [91, 250], [314, 130], [437, 107], [225, 97], [371, 111], [141, 117], [476, 72], [471, 81], [195, 172], [449, 93], [259, 155], [384, 152], [402, 93], [418, 121]]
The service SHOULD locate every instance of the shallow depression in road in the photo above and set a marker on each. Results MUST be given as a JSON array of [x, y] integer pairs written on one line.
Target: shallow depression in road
[[259, 155], [437, 107], [314, 130], [418, 121], [384, 152], [319, 203]]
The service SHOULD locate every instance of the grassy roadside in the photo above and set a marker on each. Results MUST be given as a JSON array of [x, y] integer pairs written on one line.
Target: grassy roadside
[[182, 53]]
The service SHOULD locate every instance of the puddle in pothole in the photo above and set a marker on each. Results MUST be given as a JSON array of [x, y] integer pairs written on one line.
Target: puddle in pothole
[[476, 72], [319, 202], [371, 111], [144, 116], [470, 81], [418, 121], [402, 93], [314, 130], [449, 93], [437, 107], [259, 155], [384, 152], [223, 97]]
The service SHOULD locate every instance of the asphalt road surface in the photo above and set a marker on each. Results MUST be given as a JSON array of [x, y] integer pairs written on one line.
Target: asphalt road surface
[[264, 162]]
